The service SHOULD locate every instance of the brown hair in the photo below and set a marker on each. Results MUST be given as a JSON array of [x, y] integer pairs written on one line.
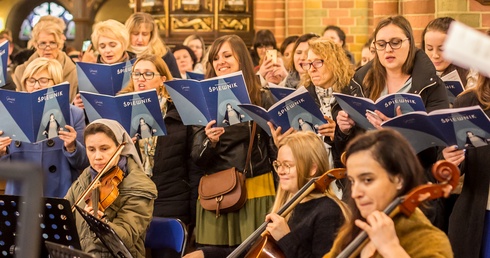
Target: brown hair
[[240, 52], [375, 79]]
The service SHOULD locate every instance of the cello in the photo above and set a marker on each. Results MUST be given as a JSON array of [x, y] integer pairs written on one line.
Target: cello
[[266, 246], [444, 171], [103, 189]]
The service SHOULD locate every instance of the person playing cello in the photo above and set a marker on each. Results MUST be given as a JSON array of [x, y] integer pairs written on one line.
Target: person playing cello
[[381, 166], [131, 210]]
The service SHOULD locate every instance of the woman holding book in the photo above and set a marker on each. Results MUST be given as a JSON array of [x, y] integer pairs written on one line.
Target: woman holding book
[[433, 38], [111, 39], [398, 67], [130, 212], [145, 39], [166, 159], [61, 158], [218, 148], [381, 166], [471, 239]]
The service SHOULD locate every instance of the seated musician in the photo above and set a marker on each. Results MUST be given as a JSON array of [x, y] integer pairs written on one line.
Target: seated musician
[[309, 230], [381, 166], [131, 211]]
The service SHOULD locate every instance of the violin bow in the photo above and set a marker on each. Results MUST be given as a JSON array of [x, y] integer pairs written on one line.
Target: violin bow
[[444, 171], [95, 182]]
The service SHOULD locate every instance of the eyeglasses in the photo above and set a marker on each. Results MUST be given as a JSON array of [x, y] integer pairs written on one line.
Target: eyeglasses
[[277, 165], [44, 45], [395, 43], [307, 66], [146, 75], [43, 81]]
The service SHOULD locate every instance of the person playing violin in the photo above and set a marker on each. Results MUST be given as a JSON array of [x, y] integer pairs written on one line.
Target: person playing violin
[[131, 211], [381, 166]]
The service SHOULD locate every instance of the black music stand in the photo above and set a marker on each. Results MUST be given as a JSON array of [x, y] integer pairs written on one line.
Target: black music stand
[[106, 234], [63, 251], [57, 225]]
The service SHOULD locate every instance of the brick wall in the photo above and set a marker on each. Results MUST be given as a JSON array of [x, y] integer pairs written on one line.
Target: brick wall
[[359, 17]]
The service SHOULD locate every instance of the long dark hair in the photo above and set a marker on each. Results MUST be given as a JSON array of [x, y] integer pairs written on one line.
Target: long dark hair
[[241, 53], [375, 79], [399, 161]]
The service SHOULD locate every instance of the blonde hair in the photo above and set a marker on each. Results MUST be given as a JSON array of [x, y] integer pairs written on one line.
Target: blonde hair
[[192, 37], [49, 26], [111, 29], [156, 45], [162, 69], [52, 66], [335, 60], [308, 151]]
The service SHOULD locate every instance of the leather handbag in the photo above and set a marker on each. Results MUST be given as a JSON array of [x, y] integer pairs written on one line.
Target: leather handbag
[[225, 191]]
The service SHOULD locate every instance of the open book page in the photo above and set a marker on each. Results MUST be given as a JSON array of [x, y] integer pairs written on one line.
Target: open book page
[[444, 127], [297, 110], [468, 48], [453, 83], [357, 107]]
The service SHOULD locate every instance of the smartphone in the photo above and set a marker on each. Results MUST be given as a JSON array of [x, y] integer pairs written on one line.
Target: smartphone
[[85, 45], [271, 55], [372, 113]]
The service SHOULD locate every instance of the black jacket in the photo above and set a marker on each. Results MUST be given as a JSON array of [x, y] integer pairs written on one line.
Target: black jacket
[[231, 150], [466, 224], [169, 59], [174, 174]]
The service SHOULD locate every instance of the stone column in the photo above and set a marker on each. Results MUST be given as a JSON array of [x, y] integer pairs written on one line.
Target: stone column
[[83, 17]]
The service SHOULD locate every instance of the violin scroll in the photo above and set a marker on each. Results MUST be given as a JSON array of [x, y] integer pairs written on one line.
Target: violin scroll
[[326, 179], [445, 171]]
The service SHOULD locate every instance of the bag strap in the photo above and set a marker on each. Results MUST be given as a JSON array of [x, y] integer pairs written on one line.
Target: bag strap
[[250, 145]]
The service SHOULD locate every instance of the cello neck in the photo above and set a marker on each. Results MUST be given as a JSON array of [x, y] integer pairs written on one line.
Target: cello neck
[[283, 211]]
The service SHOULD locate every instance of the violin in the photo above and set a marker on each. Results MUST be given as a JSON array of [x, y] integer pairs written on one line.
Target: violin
[[266, 246], [444, 171], [103, 190]]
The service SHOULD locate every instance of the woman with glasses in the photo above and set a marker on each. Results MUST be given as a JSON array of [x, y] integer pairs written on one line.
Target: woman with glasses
[[166, 159], [397, 67], [219, 148], [48, 40], [381, 166], [299, 54], [144, 38], [61, 158], [311, 227]]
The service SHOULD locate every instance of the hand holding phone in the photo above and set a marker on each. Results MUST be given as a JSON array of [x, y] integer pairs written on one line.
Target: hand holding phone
[[85, 45]]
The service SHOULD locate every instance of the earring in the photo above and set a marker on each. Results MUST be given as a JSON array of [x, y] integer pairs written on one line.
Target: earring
[[398, 187]]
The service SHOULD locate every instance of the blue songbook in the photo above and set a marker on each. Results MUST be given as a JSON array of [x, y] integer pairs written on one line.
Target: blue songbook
[[36, 116], [297, 110], [138, 112], [199, 102], [106, 79]]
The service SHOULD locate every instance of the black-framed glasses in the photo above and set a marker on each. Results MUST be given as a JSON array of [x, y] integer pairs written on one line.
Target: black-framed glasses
[[43, 81], [44, 45], [395, 43], [277, 165], [307, 66], [146, 75]]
